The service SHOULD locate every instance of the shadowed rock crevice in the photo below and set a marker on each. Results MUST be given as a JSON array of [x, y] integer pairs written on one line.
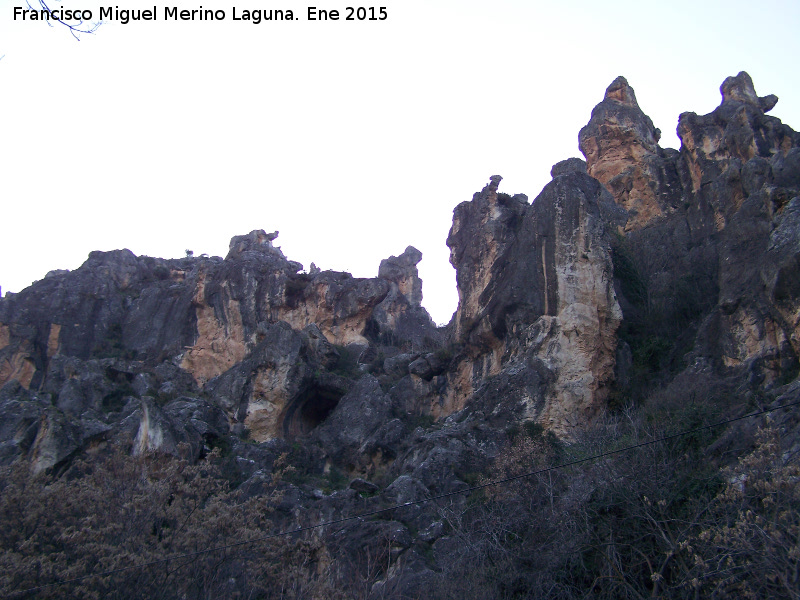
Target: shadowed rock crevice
[[310, 409]]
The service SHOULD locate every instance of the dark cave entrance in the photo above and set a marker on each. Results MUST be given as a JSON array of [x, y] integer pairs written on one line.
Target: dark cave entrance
[[309, 409]]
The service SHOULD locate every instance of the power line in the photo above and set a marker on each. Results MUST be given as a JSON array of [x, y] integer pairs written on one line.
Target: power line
[[412, 503]]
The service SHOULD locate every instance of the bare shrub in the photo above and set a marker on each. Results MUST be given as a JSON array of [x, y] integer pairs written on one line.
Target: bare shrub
[[112, 511], [749, 546]]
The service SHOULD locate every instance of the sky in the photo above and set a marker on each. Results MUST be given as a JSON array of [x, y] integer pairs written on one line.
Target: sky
[[354, 139]]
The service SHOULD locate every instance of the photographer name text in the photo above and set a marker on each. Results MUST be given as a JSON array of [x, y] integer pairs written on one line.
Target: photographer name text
[[174, 13]]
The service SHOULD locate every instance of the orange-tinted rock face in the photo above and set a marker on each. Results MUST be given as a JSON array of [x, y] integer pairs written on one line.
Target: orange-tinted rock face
[[208, 316], [744, 167], [711, 208], [339, 306], [52, 340], [220, 342], [17, 367], [478, 238], [15, 359], [620, 144]]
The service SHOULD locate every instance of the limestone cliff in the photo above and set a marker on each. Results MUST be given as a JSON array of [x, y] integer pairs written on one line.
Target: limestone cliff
[[691, 253], [641, 274], [705, 221], [535, 285], [620, 144], [251, 331]]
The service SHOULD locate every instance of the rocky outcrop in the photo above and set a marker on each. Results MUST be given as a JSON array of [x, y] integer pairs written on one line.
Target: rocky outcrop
[[402, 271], [251, 330], [481, 233], [780, 272], [620, 144], [280, 389], [535, 284], [338, 304], [699, 240], [640, 269], [736, 132], [399, 319], [360, 428]]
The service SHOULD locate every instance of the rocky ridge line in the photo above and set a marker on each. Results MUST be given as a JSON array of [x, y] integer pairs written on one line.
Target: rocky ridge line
[[639, 258]]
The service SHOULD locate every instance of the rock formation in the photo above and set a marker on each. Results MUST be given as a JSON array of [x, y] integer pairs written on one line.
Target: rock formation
[[251, 330], [709, 231], [703, 222], [639, 267], [620, 144], [536, 285]]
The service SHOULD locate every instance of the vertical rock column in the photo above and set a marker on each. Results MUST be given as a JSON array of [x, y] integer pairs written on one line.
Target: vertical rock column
[[620, 144], [535, 285]]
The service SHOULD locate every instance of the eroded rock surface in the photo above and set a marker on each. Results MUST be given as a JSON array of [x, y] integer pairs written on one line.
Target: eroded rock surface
[[702, 220], [250, 330], [536, 284], [641, 266], [620, 144]]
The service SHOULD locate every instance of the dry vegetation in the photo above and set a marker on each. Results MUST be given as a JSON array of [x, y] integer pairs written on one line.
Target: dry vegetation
[[111, 511], [663, 521], [659, 522]]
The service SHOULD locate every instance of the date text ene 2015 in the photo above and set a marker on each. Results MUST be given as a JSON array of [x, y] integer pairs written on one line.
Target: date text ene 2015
[[359, 13]]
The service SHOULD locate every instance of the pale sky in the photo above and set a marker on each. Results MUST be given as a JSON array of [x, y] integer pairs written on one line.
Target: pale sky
[[353, 139]]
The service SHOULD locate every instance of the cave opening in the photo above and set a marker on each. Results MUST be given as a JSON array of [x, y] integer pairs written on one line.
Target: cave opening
[[310, 409]]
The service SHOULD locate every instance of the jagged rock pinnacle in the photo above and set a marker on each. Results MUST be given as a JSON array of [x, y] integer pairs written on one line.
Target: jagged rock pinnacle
[[741, 89], [620, 91], [620, 144]]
